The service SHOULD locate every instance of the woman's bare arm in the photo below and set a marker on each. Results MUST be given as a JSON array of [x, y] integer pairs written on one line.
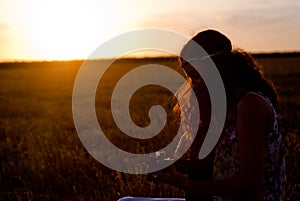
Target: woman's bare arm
[[253, 117]]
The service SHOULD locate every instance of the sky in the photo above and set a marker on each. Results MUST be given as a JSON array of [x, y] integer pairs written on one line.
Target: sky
[[73, 29]]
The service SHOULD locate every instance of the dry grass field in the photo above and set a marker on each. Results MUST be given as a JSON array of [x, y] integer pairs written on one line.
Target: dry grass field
[[42, 158]]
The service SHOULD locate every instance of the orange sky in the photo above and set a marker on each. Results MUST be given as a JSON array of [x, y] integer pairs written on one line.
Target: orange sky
[[72, 29]]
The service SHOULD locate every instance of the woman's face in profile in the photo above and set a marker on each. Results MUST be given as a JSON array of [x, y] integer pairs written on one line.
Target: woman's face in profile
[[189, 70], [191, 59]]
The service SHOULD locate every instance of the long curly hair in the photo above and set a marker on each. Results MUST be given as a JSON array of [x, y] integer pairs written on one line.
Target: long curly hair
[[240, 71]]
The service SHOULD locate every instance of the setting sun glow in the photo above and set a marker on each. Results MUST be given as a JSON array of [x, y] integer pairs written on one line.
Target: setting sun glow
[[68, 29], [73, 29]]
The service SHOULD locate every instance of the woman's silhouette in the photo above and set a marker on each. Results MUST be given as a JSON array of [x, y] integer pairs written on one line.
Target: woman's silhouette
[[248, 161]]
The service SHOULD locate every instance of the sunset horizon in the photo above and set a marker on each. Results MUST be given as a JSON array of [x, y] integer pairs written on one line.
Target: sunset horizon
[[142, 100], [71, 30]]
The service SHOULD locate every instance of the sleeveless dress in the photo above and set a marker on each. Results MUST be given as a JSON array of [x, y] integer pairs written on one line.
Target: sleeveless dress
[[227, 157]]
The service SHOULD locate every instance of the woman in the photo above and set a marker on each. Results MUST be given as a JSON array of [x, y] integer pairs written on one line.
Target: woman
[[249, 157], [248, 161]]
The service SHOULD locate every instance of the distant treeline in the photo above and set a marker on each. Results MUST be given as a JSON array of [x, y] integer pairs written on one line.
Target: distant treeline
[[276, 54], [166, 58]]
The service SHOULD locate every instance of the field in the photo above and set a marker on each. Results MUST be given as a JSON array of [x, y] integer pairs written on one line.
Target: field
[[42, 158]]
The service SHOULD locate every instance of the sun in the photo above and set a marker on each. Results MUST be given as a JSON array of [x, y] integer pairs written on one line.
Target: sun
[[62, 29]]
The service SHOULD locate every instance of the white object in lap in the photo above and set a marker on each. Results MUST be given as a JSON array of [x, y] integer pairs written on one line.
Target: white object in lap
[[150, 199]]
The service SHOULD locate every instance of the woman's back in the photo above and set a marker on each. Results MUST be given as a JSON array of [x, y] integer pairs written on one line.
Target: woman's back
[[227, 156]]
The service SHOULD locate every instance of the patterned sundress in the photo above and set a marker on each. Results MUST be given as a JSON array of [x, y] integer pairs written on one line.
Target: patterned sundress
[[227, 157]]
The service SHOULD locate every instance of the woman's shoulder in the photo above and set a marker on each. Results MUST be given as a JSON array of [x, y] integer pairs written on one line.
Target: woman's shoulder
[[254, 100], [258, 106]]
